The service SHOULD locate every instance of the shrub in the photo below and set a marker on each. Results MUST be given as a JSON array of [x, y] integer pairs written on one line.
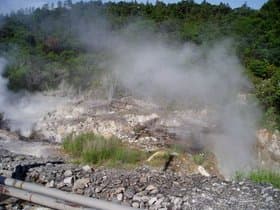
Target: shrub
[[261, 176], [96, 149], [265, 176]]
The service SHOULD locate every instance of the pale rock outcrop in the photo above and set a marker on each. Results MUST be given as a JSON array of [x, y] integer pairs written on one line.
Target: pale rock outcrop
[[269, 148]]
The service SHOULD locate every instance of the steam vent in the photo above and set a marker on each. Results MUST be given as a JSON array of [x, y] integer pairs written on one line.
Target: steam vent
[[139, 105]]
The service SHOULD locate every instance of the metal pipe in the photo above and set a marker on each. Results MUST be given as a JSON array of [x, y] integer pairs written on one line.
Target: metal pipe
[[70, 197], [39, 199]]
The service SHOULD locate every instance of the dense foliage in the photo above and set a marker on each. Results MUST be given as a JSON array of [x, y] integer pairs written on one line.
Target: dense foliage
[[43, 48]]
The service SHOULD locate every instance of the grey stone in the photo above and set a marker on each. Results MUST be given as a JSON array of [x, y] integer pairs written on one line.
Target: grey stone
[[137, 198], [152, 201], [98, 189], [68, 181], [151, 187], [268, 199], [68, 173], [145, 198], [120, 197], [81, 183], [129, 193], [50, 184], [86, 168], [135, 205]]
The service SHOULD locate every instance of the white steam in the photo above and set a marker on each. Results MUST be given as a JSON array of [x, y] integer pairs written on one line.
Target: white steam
[[195, 77], [22, 110], [199, 78]]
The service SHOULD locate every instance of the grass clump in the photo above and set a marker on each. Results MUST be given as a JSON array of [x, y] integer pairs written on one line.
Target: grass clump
[[265, 176], [261, 176], [96, 149], [199, 158]]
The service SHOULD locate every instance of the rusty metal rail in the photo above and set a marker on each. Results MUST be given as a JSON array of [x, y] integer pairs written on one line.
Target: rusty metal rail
[[53, 198]]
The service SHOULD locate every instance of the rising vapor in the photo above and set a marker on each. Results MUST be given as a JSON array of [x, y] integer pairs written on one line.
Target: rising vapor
[[196, 77], [23, 110]]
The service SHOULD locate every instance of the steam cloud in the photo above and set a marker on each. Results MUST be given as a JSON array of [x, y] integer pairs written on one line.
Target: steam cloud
[[23, 109], [197, 77]]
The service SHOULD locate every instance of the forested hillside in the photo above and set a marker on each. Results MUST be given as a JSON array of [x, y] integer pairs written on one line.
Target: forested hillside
[[47, 45]]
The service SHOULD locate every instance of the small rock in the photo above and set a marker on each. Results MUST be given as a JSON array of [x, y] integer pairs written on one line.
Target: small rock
[[88, 192], [81, 184], [120, 197], [135, 205], [50, 184], [119, 190], [202, 171], [137, 198], [60, 185], [129, 193], [152, 201], [178, 201], [98, 189], [151, 187], [68, 173], [155, 191], [68, 181], [145, 199], [142, 205], [143, 179], [86, 168], [159, 201], [268, 199]]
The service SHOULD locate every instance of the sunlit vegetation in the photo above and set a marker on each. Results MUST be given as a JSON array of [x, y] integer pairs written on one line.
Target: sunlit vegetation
[[98, 150], [261, 176]]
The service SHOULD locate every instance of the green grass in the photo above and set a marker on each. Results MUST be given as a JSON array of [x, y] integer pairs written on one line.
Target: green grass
[[261, 176], [199, 158], [98, 150]]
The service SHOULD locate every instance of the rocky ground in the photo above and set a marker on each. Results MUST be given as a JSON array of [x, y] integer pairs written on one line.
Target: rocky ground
[[142, 187], [149, 127], [134, 121], [184, 185]]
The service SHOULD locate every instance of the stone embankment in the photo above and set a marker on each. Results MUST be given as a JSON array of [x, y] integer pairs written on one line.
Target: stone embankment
[[143, 187]]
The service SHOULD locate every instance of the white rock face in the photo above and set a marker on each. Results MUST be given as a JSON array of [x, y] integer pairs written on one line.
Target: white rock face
[[269, 148]]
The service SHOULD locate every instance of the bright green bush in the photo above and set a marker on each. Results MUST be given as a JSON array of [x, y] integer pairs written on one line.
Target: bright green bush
[[265, 176], [96, 149], [261, 176]]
